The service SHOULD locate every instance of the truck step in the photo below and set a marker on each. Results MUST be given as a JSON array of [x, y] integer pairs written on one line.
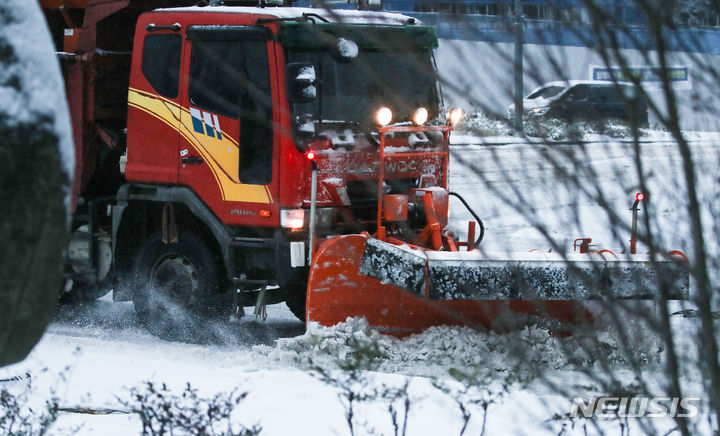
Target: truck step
[[248, 284], [247, 242]]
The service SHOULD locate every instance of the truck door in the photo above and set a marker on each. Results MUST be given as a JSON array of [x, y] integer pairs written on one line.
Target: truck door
[[226, 153], [154, 108]]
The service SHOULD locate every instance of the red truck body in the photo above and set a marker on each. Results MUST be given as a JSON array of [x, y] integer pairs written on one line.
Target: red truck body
[[175, 142], [230, 156], [183, 123]]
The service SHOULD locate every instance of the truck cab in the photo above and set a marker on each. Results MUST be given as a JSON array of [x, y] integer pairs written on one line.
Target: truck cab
[[209, 106], [225, 106]]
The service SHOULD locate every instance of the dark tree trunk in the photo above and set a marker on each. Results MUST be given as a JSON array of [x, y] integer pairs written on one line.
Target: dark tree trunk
[[33, 191]]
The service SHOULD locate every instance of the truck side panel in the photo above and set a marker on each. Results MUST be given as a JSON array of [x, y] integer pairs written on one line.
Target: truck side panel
[[94, 39], [154, 107], [226, 119]]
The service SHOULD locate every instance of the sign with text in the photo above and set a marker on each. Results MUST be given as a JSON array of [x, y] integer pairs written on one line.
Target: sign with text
[[650, 77]]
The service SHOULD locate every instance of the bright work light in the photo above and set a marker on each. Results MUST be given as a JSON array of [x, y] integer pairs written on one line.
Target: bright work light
[[456, 115], [383, 116], [420, 116]]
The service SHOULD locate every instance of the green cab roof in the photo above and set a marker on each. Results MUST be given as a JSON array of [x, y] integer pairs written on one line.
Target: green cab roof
[[367, 36]]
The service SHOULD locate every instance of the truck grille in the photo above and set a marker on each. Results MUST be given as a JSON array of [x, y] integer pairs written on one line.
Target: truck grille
[[363, 195]]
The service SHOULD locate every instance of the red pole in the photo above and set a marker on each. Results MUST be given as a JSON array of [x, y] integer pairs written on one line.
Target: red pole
[[633, 234], [380, 229]]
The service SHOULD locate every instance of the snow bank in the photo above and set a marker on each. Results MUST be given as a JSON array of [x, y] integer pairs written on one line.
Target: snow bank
[[438, 349], [326, 345]]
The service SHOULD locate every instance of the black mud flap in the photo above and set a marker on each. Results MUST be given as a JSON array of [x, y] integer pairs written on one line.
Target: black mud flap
[[472, 276]]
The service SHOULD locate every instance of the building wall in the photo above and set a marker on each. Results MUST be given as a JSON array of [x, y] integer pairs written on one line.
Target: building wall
[[476, 55], [478, 75]]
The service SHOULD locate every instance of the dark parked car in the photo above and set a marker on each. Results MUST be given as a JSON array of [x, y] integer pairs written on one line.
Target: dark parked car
[[586, 100]]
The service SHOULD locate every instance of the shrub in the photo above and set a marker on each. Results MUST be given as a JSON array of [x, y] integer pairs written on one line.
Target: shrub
[[163, 412]]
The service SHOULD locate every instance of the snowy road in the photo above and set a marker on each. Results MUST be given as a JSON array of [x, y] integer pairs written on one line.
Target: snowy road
[[94, 353], [107, 320], [559, 187]]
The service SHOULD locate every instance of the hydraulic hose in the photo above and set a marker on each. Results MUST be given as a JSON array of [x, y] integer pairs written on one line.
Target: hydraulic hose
[[472, 212]]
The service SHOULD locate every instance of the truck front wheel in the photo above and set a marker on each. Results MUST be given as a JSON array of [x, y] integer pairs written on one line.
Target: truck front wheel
[[177, 286]]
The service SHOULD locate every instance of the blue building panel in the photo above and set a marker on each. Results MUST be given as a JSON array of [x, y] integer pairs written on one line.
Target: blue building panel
[[410, 5], [498, 26]]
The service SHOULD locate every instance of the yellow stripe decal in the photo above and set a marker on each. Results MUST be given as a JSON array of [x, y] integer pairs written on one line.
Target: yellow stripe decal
[[221, 155]]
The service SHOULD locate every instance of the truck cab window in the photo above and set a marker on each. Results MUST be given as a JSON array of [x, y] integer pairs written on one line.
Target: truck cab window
[[232, 78], [161, 63]]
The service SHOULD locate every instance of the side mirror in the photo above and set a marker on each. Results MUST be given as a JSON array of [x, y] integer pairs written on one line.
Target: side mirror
[[301, 79]]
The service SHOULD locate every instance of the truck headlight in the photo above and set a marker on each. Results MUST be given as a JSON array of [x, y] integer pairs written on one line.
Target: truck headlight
[[420, 116], [293, 219], [383, 116], [456, 115]]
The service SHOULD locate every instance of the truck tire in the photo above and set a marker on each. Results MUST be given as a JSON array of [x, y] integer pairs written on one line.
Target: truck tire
[[177, 288]]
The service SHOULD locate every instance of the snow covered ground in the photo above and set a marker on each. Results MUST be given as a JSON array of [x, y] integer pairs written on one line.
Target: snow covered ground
[[517, 187], [94, 354]]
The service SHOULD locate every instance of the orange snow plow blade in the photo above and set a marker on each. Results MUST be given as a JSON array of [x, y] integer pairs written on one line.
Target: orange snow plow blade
[[402, 291]]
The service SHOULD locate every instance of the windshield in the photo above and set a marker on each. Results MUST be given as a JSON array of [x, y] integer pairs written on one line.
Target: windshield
[[548, 92], [354, 91]]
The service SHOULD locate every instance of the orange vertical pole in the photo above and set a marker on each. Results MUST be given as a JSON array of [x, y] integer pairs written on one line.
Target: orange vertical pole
[[380, 234], [446, 157], [471, 236]]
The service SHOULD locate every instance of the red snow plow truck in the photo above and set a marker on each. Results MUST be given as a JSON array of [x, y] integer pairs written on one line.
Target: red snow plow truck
[[230, 156]]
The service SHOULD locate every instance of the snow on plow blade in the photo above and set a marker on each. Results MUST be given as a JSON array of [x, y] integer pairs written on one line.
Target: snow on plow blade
[[465, 275], [401, 290]]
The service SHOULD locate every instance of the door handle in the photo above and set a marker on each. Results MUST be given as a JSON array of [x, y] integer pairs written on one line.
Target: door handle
[[192, 160]]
